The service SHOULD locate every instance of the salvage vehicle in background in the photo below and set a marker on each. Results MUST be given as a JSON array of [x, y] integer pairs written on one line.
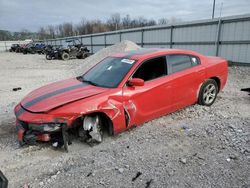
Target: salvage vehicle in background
[[14, 47], [74, 49], [20, 48], [53, 52], [40, 48], [122, 91], [33, 48], [29, 49]]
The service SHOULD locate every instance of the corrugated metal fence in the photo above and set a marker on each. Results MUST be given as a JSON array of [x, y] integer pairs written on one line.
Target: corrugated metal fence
[[228, 37]]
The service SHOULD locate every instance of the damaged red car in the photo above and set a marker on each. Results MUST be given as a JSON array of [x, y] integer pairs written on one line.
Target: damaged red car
[[121, 91]]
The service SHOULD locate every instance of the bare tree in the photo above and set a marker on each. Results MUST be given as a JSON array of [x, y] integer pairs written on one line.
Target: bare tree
[[51, 31], [126, 21], [163, 21], [41, 33], [114, 21], [67, 29], [81, 27]]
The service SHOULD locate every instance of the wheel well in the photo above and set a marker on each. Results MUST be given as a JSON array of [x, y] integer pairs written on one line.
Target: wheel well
[[108, 125], [217, 81]]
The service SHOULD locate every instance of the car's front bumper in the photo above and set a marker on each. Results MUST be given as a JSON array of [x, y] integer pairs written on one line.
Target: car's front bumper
[[28, 134], [32, 127]]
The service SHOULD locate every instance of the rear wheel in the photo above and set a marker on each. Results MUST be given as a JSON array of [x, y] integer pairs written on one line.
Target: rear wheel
[[208, 92], [65, 56], [48, 57], [85, 55]]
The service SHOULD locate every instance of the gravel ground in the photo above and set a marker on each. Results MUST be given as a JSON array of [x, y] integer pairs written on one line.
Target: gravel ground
[[195, 147]]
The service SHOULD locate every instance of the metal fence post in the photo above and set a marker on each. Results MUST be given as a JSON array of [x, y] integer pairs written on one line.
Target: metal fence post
[[142, 37], [91, 43], [105, 41], [217, 44], [120, 36], [5, 46], [171, 36]]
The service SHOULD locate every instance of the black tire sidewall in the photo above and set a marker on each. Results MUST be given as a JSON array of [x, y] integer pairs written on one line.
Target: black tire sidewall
[[64, 55], [201, 93], [48, 57]]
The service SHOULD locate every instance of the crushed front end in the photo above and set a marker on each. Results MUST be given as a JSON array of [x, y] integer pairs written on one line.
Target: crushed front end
[[33, 127]]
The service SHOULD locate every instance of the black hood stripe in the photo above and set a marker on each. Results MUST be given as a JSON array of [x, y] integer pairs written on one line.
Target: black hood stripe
[[48, 95], [19, 112]]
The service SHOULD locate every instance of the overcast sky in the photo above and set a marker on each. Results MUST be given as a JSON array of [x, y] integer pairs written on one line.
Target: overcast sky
[[16, 15]]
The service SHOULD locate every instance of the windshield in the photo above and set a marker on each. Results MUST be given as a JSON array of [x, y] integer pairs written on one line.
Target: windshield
[[109, 72]]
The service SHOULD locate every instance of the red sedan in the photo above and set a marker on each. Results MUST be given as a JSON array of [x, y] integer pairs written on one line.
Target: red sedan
[[121, 91]]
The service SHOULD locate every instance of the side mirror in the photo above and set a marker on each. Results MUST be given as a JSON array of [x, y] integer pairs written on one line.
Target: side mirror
[[136, 82]]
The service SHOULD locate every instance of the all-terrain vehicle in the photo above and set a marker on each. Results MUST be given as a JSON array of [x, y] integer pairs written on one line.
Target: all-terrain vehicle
[[40, 48], [53, 52], [74, 49], [29, 49], [20, 48], [14, 47]]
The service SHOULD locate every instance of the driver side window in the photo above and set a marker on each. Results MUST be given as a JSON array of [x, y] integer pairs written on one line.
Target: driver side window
[[151, 69]]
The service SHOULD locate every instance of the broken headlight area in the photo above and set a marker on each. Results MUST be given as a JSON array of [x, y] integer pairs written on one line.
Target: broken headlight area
[[30, 133], [47, 127]]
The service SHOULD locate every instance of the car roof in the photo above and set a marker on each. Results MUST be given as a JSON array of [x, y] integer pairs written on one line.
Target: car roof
[[151, 52]]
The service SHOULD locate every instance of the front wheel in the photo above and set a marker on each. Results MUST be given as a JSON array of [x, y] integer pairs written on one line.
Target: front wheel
[[48, 57], [94, 128], [208, 92], [65, 56]]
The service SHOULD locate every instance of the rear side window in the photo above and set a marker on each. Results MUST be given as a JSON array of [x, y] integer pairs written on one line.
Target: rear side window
[[178, 63]]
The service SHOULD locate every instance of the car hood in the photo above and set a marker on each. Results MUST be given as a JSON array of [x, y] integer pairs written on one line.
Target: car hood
[[57, 94]]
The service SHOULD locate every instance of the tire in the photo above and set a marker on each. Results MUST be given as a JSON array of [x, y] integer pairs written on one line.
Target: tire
[[65, 56], [85, 55], [48, 57], [208, 92]]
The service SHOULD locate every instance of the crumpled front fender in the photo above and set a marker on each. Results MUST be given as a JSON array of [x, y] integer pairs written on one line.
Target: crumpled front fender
[[113, 109]]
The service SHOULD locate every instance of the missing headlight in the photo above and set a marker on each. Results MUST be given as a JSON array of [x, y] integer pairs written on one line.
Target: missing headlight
[[47, 127]]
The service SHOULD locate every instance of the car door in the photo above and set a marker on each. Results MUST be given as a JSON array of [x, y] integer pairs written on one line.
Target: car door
[[154, 98], [187, 74]]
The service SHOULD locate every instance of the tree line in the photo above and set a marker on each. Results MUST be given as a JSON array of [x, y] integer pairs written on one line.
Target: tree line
[[67, 29]]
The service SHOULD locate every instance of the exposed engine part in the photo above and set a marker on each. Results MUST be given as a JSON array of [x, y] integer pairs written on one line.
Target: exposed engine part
[[92, 125], [83, 135], [30, 139]]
